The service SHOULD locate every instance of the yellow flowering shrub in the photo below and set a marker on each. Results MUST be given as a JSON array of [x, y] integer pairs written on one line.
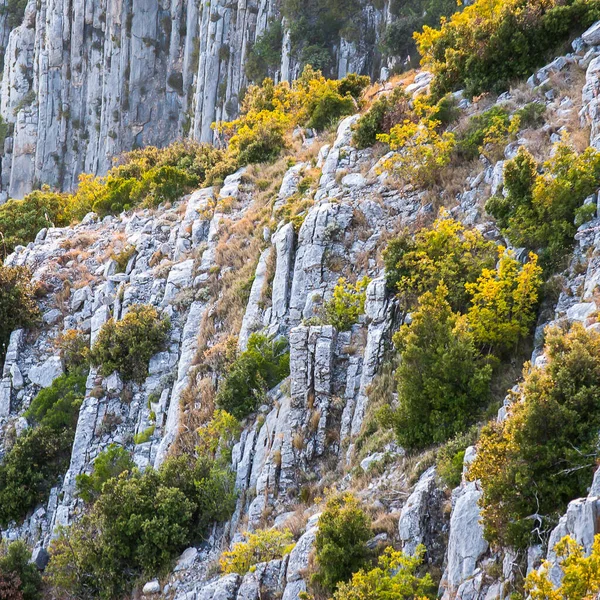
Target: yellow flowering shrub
[[422, 151], [262, 546], [581, 574]]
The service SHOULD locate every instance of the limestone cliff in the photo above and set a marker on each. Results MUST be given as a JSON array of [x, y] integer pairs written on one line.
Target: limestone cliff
[[85, 81]]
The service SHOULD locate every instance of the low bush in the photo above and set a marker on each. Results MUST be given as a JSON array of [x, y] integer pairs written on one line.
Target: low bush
[[450, 457], [443, 381], [254, 372], [261, 546], [488, 134], [341, 542], [532, 464], [540, 211], [18, 307], [386, 112], [58, 405], [580, 573], [107, 465], [397, 576], [74, 348], [137, 526], [25, 581], [422, 151], [127, 345], [347, 304]]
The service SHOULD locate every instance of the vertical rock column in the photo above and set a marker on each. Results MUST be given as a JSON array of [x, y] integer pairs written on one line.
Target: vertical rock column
[[311, 360]]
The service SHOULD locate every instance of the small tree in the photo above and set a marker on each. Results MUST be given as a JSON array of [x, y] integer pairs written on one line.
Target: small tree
[[22, 578], [344, 529], [443, 381], [504, 302]]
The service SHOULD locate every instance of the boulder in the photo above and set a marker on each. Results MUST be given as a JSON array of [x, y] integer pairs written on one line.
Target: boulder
[[44, 374]]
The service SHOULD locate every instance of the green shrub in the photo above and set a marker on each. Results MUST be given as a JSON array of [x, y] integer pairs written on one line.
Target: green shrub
[[57, 406], [261, 546], [492, 127], [261, 367], [532, 114], [143, 436], [340, 544], [387, 111], [447, 251], [347, 304], [107, 465], [30, 469], [396, 576], [450, 457], [353, 85], [443, 382], [32, 465], [139, 523], [163, 184], [15, 560], [127, 345], [18, 307], [539, 211], [535, 462], [264, 56], [21, 220], [330, 107], [490, 44]]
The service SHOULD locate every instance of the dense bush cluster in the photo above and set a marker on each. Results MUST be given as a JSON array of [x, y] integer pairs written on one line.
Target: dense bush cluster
[[270, 112], [127, 345], [253, 373], [531, 465], [464, 316], [541, 212], [341, 542], [19, 578], [490, 44], [41, 454], [18, 307], [148, 176], [137, 525]]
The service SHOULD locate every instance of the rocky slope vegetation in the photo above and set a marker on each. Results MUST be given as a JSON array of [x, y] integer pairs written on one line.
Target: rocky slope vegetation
[[288, 251]]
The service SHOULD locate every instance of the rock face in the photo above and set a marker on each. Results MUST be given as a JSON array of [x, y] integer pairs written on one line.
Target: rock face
[[83, 83]]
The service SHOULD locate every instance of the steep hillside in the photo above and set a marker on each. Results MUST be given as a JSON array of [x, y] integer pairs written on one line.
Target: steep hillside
[[362, 331]]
